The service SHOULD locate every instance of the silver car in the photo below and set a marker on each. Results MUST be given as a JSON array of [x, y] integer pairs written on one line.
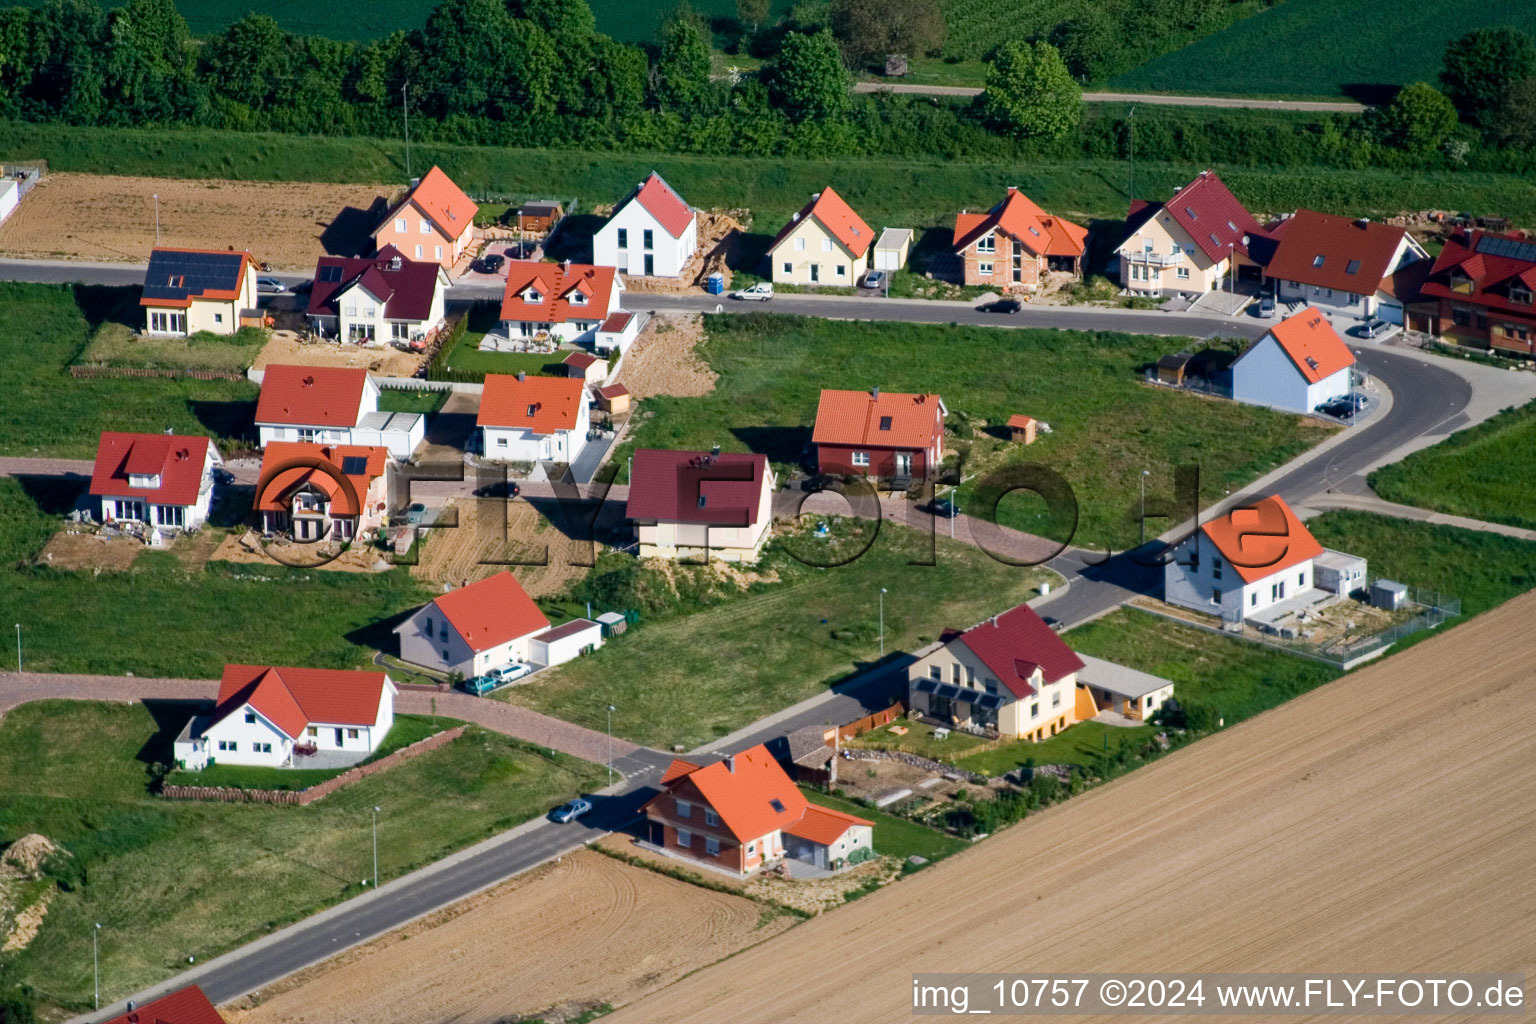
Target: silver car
[[270, 284]]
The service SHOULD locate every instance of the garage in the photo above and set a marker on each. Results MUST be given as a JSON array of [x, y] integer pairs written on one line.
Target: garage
[[564, 642]]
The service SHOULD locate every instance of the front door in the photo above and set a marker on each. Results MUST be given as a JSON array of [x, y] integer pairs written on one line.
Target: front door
[[338, 737], [815, 272], [903, 463]]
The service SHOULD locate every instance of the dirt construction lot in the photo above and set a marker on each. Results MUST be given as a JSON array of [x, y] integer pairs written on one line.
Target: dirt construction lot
[[585, 931], [104, 218], [1349, 830]]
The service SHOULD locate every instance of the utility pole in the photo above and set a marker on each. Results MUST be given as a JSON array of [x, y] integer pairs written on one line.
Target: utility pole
[[610, 744], [882, 622], [1130, 138], [405, 112], [157, 219], [1143, 479], [18, 648]]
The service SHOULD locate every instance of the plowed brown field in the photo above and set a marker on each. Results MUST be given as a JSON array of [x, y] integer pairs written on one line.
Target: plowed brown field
[[586, 931], [1383, 822]]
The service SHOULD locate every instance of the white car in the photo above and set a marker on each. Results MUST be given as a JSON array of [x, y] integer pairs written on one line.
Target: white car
[[511, 673], [760, 292]]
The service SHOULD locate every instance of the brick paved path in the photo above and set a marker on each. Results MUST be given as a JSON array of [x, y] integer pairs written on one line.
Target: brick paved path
[[29, 686]]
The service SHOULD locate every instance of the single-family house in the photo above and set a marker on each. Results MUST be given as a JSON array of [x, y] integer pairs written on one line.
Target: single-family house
[[1012, 245], [184, 1006], [1344, 264], [533, 419], [277, 715], [1254, 562], [539, 216], [379, 299], [1482, 284], [323, 491], [1010, 676], [434, 221], [1297, 365], [566, 301], [164, 481], [1191, 244], [824, 243], [651, 233], [192, 290], [744, 813], [321, 404], [488, 624], [586, 367], [700, 505], [870, 433]]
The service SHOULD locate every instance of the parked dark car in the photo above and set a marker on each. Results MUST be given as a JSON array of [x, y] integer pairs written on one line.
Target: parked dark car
[[499, 489], [492, 264], [1342, 408], [943, 508], [1001, 306]]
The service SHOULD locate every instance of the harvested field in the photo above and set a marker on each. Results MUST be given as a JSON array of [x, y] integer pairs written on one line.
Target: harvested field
[[663, 360], [1348, 830], [109, 218], [286, 347], [576, 934], [478, 546]]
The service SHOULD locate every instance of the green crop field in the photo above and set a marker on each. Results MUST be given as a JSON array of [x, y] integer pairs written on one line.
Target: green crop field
[[1329, 48]]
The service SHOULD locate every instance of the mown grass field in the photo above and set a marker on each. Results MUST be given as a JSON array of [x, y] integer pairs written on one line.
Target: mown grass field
[[1326, 48], [1107, 426], [1485, 472], [894, 836], [169, 880], [45, 412], [407, 729]]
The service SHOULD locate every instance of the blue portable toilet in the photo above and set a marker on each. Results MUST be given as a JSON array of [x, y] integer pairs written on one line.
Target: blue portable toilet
[[715, 284]]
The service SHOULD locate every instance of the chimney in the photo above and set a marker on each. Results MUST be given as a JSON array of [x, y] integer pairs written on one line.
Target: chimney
[[1362, 222], [169, 431], [131, 1006], [714, 450], [521, 376], [730, 763], [874, 392], [565, 265]]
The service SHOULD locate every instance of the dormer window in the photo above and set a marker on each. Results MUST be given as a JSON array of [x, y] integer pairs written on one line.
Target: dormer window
[[532, 295], [579, 298], [1520, 295], [144, 481]]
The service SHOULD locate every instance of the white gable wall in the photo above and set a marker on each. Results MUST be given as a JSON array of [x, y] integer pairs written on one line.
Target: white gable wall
[[669, 255], [242, 739], [1265, 375]]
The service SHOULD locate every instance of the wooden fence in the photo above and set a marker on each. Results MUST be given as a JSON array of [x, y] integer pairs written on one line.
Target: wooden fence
[[301, 797], [871, 722]]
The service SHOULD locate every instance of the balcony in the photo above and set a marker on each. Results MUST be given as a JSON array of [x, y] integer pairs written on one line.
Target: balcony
[[1156, 259]]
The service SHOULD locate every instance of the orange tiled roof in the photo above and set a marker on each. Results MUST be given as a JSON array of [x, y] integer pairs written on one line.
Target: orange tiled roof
[[555, 284], [890, 420], [291, 698], [1020, 218], [839, 220], [286, 465], [491, 612], [541, 404], [1262, 540], [1313, 345], [444, 203]]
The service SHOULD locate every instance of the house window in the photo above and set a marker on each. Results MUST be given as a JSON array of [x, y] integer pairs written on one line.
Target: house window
[[684, 838], [501, 442], [172, 515], [400, 332], [826, 245], [799, 245], [1183, 274], [1461, 316], [1317, 260], [437, 251], [1253, 600], [250, 718], [168, 323], [426, 228], [1034, 710], [313, 730], [987, 244], [1215, 595], [1216, 568], [1301, 579], [623, 238], [984, 268], [360, 332], [991, 685], [751, 847], [646, 238], [227, 745], [684, 809], [789, 268], [418, 252], [954, 672], [1056, 699], [934, 672], [861, 458], [1519, 295], [261, 748], [711, 846], [842, 271], [353, 734], [218, 318], [400, 225], [710, 817]]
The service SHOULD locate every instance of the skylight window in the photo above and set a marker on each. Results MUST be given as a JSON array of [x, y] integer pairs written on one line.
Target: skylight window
[[1035, 232], [1353, 267], [354, 465], [777, 805], [1190, 210], [1317, 260], [1214, 239], [532, 409], [1232, 225], [702, 499], [885, 423]]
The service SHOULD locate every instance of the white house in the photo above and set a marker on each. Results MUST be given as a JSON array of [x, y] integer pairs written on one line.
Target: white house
[[1248, 564], [700, 505], [277, 716], [1297, 365], [192, 290], [159, 480], [382, 299], [489, 624], [564, 301], [1344, 264], [322, 404], [318, 491], [652, 232], [616, 332], [10, 196], [533, 419]]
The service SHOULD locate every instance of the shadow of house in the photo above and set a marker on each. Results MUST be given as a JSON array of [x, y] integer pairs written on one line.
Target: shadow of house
[[572, 238], [379, 635], [235, 419], [747, 252], [54, 494], [790, 445], [101, 304], [1104, 236], [169, 717], [350, 232], [934, 253], [233, 505]]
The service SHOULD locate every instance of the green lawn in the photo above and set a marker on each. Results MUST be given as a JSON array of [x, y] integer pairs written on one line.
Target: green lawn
[[424, 401], [698, 673], [44, 411], [1328, 48], [1485, 472], [118, 344], [169, 880], [406, 730], [465, 361], [1107, 425], [895, 836]]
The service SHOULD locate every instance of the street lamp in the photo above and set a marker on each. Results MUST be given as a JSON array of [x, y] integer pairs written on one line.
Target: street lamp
[[882, 622], [18, 648], [1231, 269], [157, 218], [96, 962], [375, 847], [610, 744], [1143, 480]]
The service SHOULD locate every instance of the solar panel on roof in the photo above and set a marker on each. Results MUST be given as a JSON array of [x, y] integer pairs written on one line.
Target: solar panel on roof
[[330, 273], [191, 273], [1509, 248]]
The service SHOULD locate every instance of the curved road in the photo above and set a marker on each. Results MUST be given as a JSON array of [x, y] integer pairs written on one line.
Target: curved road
[[1152, 98]]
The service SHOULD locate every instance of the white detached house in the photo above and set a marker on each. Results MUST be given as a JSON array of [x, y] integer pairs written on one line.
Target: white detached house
[[533, 419], [319, 404], [564, 301], [163, 481], [1297, 365], [652, 232]]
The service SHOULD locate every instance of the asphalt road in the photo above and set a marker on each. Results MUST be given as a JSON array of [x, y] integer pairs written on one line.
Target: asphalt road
[[1154, 99]]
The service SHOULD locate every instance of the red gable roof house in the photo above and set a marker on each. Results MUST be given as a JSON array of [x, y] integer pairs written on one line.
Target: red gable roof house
[[1009, 676], [487, 624], [313, 403], [323, 491], [270, 715], [652, 232], [888, 435], [744, 813], [1256, 562], [1189, 244], [380, 299], [1011, 246], [533, 419], [433, 221], [701, 505], [184, 1006], [159, 480], [1343, 264], [825, 243], [566, 301], [1482, 284], [1299, 364]]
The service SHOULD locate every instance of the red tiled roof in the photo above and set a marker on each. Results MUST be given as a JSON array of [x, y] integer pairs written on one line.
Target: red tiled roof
[[1018, 217], [613, 391], [823, 825], [582, 360], [1018, 419], [1262, 540], [858, 418], [1208, 212], [555, 284], [491, 611], [288, 465], [293, 698], [541, 404], [406, 291], [444, 203], [321, 396], [839, 220], [677, 769], [662, 202], [1326, 251], [176, 460], [616, 323], [1017, 642], [696, 487], [1312, 344], [184, 1006], [1491, 274]]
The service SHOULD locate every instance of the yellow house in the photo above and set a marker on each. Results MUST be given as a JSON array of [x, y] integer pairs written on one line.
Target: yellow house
[[1190, 244], [192, 290], [826, 243]]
